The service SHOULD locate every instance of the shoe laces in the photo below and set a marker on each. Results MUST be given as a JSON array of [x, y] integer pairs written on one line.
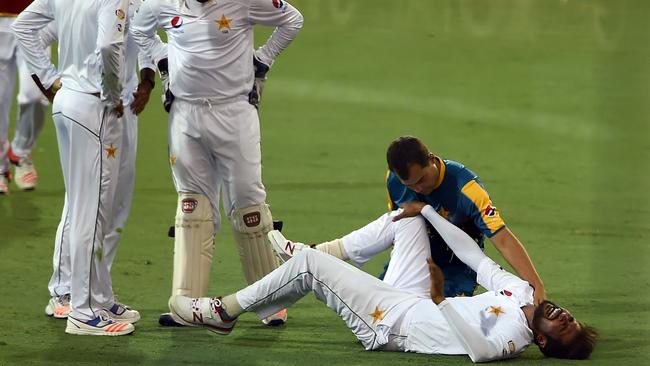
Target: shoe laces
[[104, 316]]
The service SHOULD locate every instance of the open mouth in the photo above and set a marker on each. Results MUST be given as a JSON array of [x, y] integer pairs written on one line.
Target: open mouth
[[551, 312]]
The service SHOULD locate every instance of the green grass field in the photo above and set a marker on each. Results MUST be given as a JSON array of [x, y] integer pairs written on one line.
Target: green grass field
[[547, 100]]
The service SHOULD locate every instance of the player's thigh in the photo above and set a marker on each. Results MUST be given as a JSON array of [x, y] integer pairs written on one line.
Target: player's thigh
[[192, 163], [7, 83], [363, 301], [408, 269], [242, 159]]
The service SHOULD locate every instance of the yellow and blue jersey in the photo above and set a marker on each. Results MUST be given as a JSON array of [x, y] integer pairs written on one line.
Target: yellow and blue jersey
[[458, 196]]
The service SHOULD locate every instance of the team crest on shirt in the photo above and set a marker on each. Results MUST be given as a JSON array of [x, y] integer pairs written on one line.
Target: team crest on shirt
[[177, 22], [496, 310], [490, 211], [224, 24], [119, 13], [505, 293]]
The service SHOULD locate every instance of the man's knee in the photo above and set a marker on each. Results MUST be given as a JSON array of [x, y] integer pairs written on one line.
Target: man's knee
[[250, 226]]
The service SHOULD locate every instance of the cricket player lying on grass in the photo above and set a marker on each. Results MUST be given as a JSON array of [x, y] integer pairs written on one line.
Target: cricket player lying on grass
[[500, 323]]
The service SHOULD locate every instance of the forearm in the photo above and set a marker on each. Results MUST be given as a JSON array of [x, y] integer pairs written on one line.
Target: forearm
[[463, 246], [514, 252], [111, 44], [288, 23], [26, 28], [475, 343]]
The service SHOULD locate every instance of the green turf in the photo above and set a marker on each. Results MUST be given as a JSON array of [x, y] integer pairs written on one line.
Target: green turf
[[548, 100]]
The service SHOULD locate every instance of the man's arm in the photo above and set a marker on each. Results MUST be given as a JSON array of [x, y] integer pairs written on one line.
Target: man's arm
[[111, 42], [26, 28], [514, 252], [280, 14], [143, 27], [475, 343]]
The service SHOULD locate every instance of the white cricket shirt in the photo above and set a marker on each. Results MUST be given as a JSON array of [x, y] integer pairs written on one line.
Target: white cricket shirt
[[486, 327], [210, 45], [90, 34]]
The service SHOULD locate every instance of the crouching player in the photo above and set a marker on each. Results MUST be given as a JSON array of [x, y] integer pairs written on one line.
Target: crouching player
[[498, 324]]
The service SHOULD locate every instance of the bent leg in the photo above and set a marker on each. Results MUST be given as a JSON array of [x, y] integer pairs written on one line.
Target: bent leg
[[361, 300]]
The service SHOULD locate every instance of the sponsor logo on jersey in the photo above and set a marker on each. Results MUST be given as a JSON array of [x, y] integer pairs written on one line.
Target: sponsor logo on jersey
[[278, 4], [177, 21], [120, 14], [188, 205], [490, 211], [506, 293], [252, 219]]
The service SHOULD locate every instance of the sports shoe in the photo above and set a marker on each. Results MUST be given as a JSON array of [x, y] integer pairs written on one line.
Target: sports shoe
[[122, 313], [276, 319], [26, 176], [102, 325], [5, 178], [283, 248], [201, 312], [58, 306], [166, 320]]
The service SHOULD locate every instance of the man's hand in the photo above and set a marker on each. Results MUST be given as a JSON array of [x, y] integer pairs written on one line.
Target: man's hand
[[255, 95], [49, 92], [142, 93], [410, 209], [437, 282], [141, 96], [540, 293], [167, 96], [118, 109]]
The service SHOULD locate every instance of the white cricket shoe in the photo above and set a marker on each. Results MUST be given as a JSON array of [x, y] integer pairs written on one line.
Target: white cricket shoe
[[201, 312], [283, 248], [58, 306], [122, 313], [102, 325], [276, 319], [5, 178], [26, 176]]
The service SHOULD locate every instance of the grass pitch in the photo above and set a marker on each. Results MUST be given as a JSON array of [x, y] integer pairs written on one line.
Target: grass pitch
[[547, 100]]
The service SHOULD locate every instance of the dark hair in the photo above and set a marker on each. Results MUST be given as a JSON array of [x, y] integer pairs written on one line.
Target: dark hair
[[578, 349], [405, 151]]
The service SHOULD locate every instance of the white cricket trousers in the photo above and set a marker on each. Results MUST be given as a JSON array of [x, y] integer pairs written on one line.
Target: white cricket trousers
[[214, 148], [32, 101], [89, 138], [407, 269], [60, 280], [371, 308]]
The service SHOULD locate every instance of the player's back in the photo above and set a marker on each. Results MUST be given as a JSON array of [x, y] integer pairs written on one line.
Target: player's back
[[77, 31]]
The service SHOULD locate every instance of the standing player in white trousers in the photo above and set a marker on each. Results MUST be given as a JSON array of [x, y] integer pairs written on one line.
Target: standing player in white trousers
[[214, 132], [31, 106], [135, 96], [498, 324], [87, 112]]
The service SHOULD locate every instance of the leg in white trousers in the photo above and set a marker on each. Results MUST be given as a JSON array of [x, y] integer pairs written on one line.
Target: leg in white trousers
[[31, 111], [408, 268], [7, 83], [89, 145], [363, 301], [60, 280]]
